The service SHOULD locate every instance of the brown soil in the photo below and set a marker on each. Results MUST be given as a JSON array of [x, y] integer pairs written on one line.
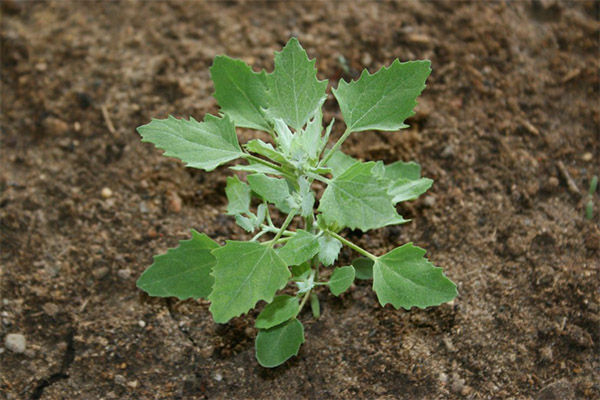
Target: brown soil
[[510, 116]]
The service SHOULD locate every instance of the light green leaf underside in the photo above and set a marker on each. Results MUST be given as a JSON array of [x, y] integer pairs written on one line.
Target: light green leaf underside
[[405, 278], [295, 93], [276, 345], [265, 149], [245, 273], [300, 248], [238, 196], [281, 309], [359, 199], [273, 190], [341, 280], [340, 162], [204, 145], [329, 248], [383, 100], [405, 189], [241, 92], [183, 272], [363, 268]]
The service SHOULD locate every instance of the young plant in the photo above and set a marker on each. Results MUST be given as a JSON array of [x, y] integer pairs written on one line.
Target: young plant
[[281, 176]]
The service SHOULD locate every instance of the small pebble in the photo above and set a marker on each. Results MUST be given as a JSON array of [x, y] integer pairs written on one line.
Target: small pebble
[[552, 182], [15, 342], [174, 202], [100, 273], [142, 323], [217, 376], [443, 378], [448, 151], [429, 201], [55, 126], [143, 207], [587, 157], [120, 380], [546, 354], [106, 193], [132, 384], [124, 273]]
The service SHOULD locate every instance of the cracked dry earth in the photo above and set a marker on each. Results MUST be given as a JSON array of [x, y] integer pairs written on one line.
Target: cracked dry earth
[[508, 128]]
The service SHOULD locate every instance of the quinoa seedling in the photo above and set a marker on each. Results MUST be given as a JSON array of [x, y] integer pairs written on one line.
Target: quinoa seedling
[[280, 178]]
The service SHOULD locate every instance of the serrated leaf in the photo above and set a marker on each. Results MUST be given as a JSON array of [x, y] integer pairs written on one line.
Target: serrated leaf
[[307, 198], [363, 268], [405, 189], [295, 93], [276, 345], [404, 278], [204, 145], [281, 309], [305, 145], [383, 100], [358, 198], [241, 92], [238, 196], [341, 280], [340, 162], [403, 170], [273, 190], [255, 167], [329, 248], [300, 248], [245, 223], [245, 273], [266, 149], [183, 272]]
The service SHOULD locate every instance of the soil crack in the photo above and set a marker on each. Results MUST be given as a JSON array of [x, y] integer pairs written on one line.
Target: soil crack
[[67, 360]]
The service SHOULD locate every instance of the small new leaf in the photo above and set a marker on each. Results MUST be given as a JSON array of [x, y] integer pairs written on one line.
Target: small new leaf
[[273, 190], [363, 268], [341, 280], [295, 93], [276, 345], [282, 308], [238, 196], [241, 92], [404, 278], [245, 273], [204, 145], [183, 272], [383, 100], [329, 248]]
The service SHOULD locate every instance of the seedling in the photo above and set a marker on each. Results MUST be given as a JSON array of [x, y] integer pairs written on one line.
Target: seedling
[[282, 176], [589, 205]]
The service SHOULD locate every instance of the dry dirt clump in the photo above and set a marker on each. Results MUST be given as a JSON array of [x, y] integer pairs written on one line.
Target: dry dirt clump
[[508, 128]]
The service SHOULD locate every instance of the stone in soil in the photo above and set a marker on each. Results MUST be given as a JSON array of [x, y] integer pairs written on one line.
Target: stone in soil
[[15, 342]]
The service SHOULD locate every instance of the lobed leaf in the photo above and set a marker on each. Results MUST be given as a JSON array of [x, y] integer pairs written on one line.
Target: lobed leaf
[[300, 248], [276, 345], [245, 273], [405, 189], [329, 248], [241, 92], [238, 196], [273, 190], [404, 278], [183, 272], [294, 91], [358, 198], [204, 145], [383, 100]]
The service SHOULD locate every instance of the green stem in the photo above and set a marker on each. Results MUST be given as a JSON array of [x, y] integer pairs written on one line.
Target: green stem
[[272, 229], [303, 302], [353, 246], [335, 147], [285, 224]]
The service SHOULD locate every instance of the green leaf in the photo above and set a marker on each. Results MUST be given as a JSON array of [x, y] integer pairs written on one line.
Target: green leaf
[[363, 268], [358, 198], [403, 170], [307, 198], [404, 278], [204, 145], [329, 248], [315, 306], [404, 189], [299, 270], [183, 272], [382, 101], [245, 223], [295, 93], [300, 248], [273, 190], [305, 145], [241, 92], [238, 196], [282, 308], [276, 345], [245, 273], [341, 280], [266, 149], [255, 167], [340, 162]]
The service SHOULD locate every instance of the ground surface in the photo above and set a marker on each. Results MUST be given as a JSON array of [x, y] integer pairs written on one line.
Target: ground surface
[[510, 116]]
